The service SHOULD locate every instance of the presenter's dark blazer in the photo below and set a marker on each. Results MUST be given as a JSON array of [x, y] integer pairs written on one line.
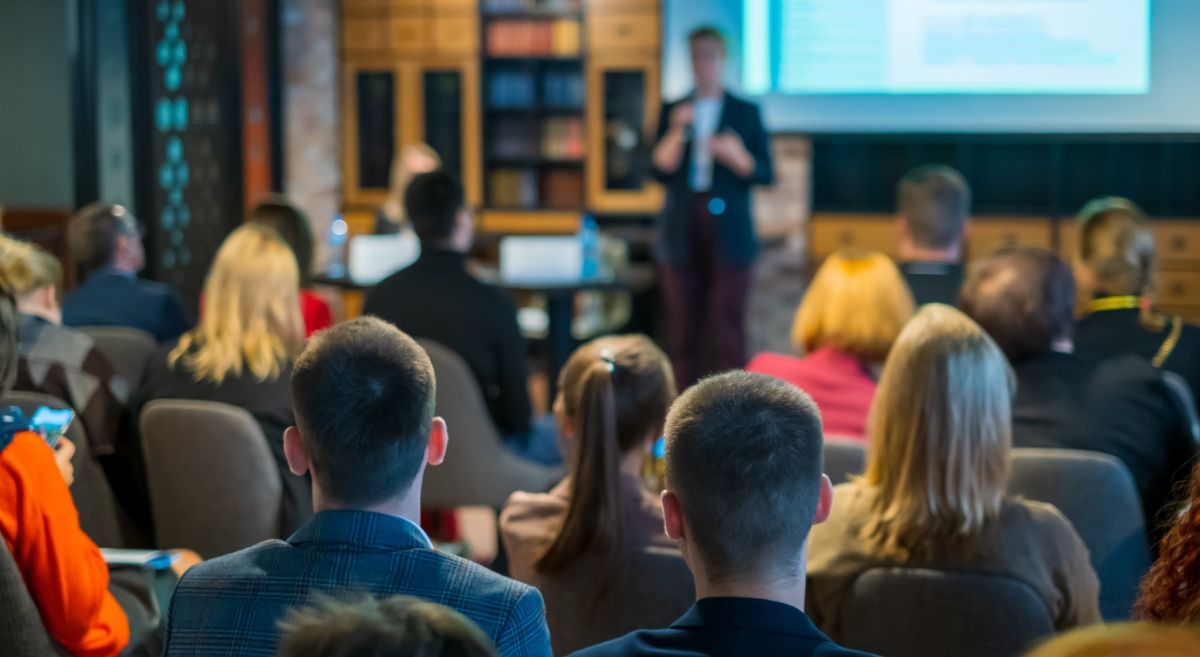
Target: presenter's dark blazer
[[737, 244], [729, 627]]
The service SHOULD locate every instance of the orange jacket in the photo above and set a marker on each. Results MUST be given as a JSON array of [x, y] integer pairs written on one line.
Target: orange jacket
[[61, 566]]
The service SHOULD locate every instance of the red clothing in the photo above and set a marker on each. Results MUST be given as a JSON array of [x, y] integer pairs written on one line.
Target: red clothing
[[841, 385], [316, 312], [61, 566]]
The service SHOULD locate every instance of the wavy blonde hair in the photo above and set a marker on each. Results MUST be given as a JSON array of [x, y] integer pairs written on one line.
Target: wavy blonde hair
[[857, 302], [1116, 247], [251, 317], [940, 433]]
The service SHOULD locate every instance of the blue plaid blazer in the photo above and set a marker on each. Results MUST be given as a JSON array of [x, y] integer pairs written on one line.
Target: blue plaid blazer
[[232, 605]]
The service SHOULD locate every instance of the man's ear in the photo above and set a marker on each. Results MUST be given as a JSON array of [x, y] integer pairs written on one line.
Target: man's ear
[[672, 515], [439, 439], [824, 501], [294, 451]]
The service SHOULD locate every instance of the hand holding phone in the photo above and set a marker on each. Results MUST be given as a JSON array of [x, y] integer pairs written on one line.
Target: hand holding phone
[[64, 451]]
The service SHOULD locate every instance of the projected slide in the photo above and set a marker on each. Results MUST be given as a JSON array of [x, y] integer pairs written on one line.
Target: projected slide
[[946, 46]]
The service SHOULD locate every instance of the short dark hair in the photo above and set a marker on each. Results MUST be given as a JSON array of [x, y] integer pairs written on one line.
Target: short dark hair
[[399, 625], [1023, 297], [432, 202], [708, 32], [279, 213], [363, 395], [936, 201], [93, 233], [744, 458]]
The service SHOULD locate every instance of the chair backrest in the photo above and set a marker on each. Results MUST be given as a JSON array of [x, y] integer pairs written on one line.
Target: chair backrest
[[653, 589], [1185, 401], [127, 349], [21, 629], [100, 516], [214, 487], [1097, 494], [914, 612], [843, 458], [478, 469]]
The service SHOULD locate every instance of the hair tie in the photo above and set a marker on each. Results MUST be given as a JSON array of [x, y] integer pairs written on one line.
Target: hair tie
[[609, 361]]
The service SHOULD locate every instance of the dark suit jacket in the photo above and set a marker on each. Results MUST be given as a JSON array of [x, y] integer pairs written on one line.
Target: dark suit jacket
[[109, 298], [737, 243], [729, 627], [933, 282], [436, 298], [1116, 406], [1114, 332], [232, 605]]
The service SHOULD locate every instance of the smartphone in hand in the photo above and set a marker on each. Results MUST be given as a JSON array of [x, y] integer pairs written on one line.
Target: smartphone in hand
[[52, 423]]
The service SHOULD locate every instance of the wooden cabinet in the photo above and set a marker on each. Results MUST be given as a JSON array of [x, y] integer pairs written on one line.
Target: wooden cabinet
[[621, 118], [830, 232], [370, 107], [989, 234]]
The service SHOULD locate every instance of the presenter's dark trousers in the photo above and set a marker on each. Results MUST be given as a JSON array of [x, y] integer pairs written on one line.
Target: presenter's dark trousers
[[704, 296]]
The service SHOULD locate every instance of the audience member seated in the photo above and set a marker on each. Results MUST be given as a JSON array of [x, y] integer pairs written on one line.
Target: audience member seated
[[934, 206], [58, 360], [744, 488], [395, 626], [853, 311], [62, 568], [106, 241], [1115, 264], [1169, 593], [1025, 299], [242, 351], [581, 539], [933, 495], [365, 430], [437, 299], [1124, 640], [279, 213], [414, 159]]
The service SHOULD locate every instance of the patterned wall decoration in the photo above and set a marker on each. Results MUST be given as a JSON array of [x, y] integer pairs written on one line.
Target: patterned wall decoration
[[194, 167]]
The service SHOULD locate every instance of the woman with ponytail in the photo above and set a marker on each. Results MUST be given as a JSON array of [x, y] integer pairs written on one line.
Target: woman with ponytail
[[1115, 266], [586, 543]]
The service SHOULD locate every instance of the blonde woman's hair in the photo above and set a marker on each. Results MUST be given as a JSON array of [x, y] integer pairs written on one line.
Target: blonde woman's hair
[[940, 432], [857, 302], [1124, 640], [251, 318], [26, 267], [1116, 247], [402, 174]]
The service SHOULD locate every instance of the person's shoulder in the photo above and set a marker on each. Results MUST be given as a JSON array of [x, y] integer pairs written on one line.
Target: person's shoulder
[[739, 103], [831, 649], [634, 643], [1042, 520], [227, 570]]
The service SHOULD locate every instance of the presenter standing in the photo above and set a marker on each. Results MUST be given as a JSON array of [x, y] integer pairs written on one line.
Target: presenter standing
[[711, 149]]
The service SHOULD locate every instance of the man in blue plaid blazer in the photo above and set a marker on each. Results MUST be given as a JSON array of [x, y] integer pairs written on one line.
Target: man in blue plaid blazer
[[363, 394]]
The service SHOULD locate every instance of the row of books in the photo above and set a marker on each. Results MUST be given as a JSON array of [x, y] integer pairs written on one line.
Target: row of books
[[524, 188], [518, 89], [533, 38], [556, 138], [540, 6]]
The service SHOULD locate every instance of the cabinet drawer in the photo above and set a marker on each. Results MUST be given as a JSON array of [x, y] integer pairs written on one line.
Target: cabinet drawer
[[832, 232], [595, 7], [1177, 288], [456, 33], [1177, 240], [363, 33], [410, 34], [989, 235], [623, 32]]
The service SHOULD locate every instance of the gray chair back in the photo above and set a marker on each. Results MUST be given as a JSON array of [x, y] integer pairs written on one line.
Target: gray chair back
[[1097, 494], [21, 629], [1181, 394], [584, 607], [100, 516], [479, 469], [844, 458], [214, 487], [127, 349], [915, 612]]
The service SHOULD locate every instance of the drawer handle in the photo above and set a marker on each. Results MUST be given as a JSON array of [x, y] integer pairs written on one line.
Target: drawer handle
[[624, 30], [1178, 243], [846, 238]]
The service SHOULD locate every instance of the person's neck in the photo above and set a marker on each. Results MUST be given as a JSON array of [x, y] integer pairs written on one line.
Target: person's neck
[[709, 90], [406, 505], [120, 268], [1063, 346], [787, 593], [51, 315], [913, 253], [444, 246]]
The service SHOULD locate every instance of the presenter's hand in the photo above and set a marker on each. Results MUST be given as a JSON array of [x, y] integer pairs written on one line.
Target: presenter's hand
[[728, 149], [682, 116]]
